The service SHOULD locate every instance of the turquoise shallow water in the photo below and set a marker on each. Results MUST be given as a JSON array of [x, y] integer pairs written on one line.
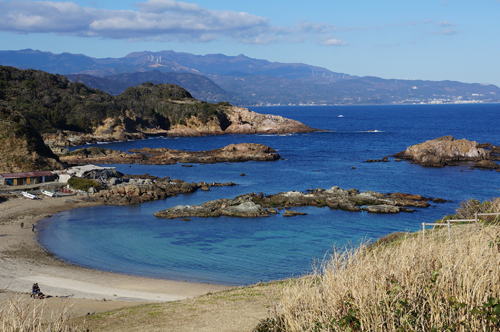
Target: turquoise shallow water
[[244, 251]]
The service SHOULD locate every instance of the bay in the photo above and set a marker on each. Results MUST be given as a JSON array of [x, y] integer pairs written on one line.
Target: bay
[[244, 251]]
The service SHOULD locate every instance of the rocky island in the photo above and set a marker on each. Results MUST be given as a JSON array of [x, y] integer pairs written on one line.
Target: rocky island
[[259, 205], [162, 156], [448, 151]]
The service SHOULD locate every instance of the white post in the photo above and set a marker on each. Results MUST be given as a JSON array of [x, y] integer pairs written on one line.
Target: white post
[[475, 220], [423, 231], [449, 230]]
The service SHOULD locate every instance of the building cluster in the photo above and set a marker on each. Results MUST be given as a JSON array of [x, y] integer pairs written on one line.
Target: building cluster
[[31, 178]]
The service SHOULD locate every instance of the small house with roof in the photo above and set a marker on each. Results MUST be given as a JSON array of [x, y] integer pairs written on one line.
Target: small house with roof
[[25, 178]]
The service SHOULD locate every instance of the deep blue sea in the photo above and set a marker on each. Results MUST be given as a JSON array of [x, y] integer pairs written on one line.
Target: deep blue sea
[[237, 251]]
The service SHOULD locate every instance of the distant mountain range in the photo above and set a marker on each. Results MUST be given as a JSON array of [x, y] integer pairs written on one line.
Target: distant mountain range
[[245, 81]]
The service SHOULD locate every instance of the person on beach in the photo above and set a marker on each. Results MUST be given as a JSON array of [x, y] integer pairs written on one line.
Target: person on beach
[[33, 228], [22, 224], [35, 289]]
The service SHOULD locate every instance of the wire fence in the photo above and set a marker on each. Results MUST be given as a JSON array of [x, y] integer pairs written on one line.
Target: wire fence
[[450, 222]]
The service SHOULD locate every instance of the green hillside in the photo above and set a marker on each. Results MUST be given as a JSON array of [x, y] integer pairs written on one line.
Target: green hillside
[[52, 102]]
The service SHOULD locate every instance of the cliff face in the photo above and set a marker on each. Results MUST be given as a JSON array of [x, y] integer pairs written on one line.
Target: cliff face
[[234, 120], [21, 147]]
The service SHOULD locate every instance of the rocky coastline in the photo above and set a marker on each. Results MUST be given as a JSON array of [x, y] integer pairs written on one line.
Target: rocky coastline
[[449, 151], [162, 156], [235, 120], [260, 205]]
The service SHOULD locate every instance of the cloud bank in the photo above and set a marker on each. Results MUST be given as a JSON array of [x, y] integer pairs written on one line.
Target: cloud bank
[[162, 20]]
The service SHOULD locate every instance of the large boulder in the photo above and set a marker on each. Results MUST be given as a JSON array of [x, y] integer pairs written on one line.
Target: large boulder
[[444, 151]]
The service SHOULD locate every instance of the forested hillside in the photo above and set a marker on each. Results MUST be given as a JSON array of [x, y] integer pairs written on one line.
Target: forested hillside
[[52, 102]]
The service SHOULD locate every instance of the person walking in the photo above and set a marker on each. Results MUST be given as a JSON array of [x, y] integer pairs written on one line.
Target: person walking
[[22, 224], [33, 228]]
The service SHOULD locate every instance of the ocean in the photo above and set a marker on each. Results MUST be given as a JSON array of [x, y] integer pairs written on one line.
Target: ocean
[[242, 251]]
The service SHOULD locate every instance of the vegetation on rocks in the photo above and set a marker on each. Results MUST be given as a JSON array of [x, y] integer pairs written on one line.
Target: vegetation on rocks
[[83, 184]]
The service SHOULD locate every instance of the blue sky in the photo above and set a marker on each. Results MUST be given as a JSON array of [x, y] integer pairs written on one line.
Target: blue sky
[[427, 39]]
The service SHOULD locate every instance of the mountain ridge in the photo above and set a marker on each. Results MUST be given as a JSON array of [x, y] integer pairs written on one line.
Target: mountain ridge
[[248, 81]]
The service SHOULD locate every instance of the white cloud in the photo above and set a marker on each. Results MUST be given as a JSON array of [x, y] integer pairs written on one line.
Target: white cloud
[[166, 20], [334, 42]]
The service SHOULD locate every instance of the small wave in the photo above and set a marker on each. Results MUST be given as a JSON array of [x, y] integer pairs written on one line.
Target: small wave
[[372, 131], [102, 143]]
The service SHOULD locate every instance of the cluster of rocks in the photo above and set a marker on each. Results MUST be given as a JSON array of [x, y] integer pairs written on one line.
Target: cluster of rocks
[[162, 156], [448, 151], [259, 205], [383, 160], [140, 189]]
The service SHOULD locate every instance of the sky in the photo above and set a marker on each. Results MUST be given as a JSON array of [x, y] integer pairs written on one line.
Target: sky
[[457, 40]]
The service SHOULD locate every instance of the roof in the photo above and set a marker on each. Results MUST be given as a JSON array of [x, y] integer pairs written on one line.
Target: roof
[[25, 174]]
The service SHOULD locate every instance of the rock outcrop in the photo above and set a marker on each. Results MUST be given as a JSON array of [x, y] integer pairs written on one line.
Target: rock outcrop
[[252, 205], [444, 151], [244, 121], [162, 156]]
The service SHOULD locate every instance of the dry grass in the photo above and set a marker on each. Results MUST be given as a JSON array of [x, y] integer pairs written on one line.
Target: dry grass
[[28, 316], [439, 284]]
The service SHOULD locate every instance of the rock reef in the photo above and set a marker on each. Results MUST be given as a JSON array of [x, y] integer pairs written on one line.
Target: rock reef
[[162, 156], [448, 151], [259, 205], [138, 189]]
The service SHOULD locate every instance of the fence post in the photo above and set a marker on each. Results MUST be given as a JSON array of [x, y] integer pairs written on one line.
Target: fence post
[[449, 230], [475, 219], [423, 231]]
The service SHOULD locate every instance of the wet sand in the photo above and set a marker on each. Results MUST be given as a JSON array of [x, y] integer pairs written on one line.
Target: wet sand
[[23, 262]]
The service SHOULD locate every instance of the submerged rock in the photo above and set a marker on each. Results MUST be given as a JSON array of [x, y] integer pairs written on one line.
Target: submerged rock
[[487, 164]]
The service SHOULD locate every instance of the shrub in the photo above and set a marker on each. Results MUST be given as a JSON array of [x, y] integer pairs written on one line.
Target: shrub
[[83, 184]]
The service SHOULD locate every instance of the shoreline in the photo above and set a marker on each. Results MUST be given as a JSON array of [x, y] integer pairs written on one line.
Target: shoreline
[[23, 262]]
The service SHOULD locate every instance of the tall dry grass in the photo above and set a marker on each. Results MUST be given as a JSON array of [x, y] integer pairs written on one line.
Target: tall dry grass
[[439, 284], [22, 315]]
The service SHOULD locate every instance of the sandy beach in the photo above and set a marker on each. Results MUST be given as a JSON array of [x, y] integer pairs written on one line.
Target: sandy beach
[[23, 262]]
